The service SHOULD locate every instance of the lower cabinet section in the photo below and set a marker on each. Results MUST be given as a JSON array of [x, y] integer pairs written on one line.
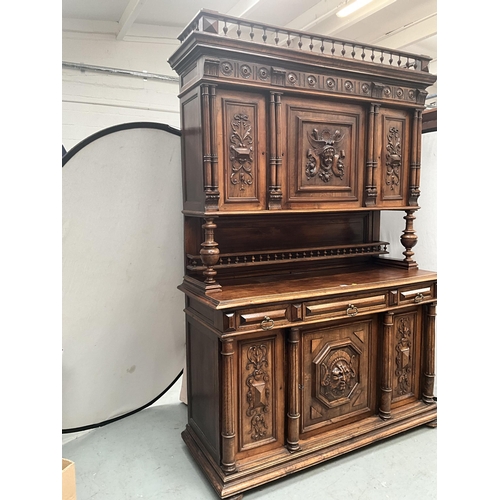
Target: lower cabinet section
[[267, 403]]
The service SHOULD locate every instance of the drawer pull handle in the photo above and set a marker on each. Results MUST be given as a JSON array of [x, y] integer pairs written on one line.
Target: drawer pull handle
[[352, 310], [267, 323], [419, 297]]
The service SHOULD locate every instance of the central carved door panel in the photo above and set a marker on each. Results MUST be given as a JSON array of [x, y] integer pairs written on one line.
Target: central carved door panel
[[338, 370], [324, 154]]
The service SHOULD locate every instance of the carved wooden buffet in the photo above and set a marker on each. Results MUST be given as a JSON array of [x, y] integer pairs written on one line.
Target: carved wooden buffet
[[303, 341]]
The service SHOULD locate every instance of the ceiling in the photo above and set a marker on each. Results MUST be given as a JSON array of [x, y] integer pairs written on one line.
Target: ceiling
[[409, 25]]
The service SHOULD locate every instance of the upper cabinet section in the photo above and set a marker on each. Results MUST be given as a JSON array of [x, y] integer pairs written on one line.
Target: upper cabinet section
[[274, 119]]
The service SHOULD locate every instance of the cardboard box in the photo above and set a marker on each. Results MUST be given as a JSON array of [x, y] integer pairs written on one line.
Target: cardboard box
[[68, 480]]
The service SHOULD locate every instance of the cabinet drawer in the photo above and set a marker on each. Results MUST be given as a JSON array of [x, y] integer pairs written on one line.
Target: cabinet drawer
[[346, 307], [417, 294], [262, 318]]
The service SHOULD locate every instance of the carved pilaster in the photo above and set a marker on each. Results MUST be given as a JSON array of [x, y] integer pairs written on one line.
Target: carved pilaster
[[228, 462], [209, 254], [386, 363], [371, 163], [429, 355], [409, 239], [416, 154], [275, 153], [209, 147], [293, 415]]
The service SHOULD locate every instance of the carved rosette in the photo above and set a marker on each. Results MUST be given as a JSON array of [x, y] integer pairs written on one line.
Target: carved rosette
[[258, 391], [325, 151], [241, 151], [403, 356], [393, 157]]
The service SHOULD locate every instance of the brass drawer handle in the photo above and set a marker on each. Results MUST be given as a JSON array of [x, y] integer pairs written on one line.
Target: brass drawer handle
[[352, 310], [419, 297], [267, 323]]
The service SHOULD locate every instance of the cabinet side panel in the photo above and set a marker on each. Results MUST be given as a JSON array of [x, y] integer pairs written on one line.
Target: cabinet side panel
[[203, 385], [192, 152]]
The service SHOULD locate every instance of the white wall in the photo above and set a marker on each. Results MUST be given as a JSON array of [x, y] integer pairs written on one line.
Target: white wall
[[93, 101], [425, 224]]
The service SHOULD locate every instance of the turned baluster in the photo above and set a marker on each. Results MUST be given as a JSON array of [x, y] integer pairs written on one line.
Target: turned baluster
[[209, 253], [409, 239]]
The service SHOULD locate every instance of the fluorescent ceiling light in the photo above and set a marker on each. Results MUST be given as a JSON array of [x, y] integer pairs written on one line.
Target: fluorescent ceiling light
[[352, 7]]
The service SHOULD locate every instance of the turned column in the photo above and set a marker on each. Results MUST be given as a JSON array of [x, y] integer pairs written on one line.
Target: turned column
[[429, 355], [228, 462], [416, 154], [409, 239], [371, 163], [275, 153], [386, 369], [210, 158], [293, 415]]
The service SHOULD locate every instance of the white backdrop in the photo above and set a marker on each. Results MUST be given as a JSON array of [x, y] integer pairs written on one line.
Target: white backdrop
[[123, 322]]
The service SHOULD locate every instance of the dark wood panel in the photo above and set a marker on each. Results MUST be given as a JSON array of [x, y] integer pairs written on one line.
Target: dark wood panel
[[203, 384], [192, 155]]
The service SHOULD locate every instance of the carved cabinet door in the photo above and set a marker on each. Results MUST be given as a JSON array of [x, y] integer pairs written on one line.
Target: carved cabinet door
[[260, 393], [406, 354], [241, 141], [393, 145], [323, 154], [339, 382]]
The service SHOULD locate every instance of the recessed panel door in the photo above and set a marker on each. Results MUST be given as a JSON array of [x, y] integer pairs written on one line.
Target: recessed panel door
[[324, 152], [338, 384]]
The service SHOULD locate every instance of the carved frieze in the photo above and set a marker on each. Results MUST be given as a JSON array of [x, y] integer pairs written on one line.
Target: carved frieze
[[259, 73]]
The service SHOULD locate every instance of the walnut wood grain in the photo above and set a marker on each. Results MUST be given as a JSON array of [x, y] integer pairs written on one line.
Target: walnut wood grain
[[304, 342]]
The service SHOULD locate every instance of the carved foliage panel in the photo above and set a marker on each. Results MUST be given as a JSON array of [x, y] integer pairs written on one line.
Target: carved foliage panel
[[242, 147], [406, 352], [324, 152], [337, 375], [260, 392], [394, 157]]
